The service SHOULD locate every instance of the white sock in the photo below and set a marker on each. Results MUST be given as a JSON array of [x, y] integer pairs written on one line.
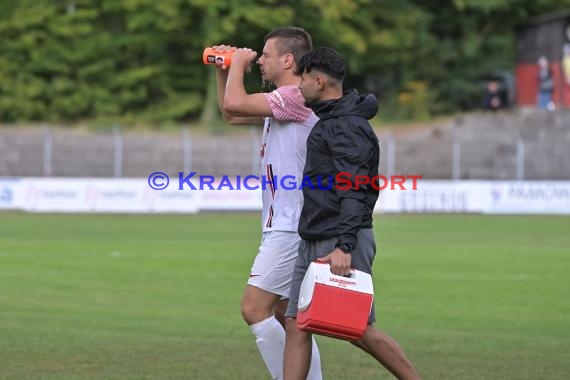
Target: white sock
[[315, 369], [270, 340]]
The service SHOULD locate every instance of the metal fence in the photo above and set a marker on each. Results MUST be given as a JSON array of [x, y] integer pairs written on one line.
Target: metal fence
[[451, 151], [494, 147], [57, 152]]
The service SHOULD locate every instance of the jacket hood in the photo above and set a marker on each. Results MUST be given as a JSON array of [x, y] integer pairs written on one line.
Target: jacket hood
[[351, 103]]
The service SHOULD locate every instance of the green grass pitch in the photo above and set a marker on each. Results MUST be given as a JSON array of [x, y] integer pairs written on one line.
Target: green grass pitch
[[157, 297]]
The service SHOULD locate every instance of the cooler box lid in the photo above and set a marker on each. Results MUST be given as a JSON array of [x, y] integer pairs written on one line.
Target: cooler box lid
[[319, 272]]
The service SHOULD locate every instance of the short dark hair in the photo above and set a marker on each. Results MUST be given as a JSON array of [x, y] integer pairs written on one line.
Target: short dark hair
[[292, 40], [323, 59]]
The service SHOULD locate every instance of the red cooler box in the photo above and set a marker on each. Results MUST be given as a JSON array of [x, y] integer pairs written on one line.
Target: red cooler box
[[335, 306]]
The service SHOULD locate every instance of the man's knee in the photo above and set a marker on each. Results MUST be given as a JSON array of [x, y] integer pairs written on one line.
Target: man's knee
[[257, 304], [371, 335], [358, 343], [253, 312]]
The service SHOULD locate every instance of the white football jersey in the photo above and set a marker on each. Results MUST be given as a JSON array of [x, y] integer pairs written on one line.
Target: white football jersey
[[283, 152]]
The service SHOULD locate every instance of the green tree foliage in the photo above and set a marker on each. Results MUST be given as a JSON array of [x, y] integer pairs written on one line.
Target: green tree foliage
[[140, 60]]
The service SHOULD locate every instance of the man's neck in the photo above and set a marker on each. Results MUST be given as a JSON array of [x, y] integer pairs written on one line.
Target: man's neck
[[288, 79], [331, 94]]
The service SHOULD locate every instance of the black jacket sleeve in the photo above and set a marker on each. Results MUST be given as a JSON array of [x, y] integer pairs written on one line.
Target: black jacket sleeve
[[349, 151]]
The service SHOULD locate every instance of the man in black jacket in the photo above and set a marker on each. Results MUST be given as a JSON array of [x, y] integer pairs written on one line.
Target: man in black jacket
[[335, 224]]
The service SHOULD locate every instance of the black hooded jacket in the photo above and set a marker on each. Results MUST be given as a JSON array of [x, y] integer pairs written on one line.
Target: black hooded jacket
[[342, 142]]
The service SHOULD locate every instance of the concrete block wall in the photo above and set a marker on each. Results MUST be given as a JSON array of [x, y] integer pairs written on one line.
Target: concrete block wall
[[488, 150]]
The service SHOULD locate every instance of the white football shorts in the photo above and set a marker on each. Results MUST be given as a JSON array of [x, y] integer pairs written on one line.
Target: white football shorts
[[272, 269]]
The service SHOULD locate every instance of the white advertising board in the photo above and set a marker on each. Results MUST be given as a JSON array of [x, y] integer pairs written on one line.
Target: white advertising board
[[136, 196], [528, 197], [10, 194]]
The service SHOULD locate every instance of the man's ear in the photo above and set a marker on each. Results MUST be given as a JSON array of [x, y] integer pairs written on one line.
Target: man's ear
[[288, 61], [320, 82]]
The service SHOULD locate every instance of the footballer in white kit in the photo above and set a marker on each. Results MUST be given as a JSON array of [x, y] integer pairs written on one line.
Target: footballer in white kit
[[283, 151], [287, 124]]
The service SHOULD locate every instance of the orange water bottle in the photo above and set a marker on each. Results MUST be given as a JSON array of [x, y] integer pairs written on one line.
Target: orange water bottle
[[211, 57]]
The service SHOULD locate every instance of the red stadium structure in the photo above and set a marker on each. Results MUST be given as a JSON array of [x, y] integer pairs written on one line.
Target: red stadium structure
[[545, 36]]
